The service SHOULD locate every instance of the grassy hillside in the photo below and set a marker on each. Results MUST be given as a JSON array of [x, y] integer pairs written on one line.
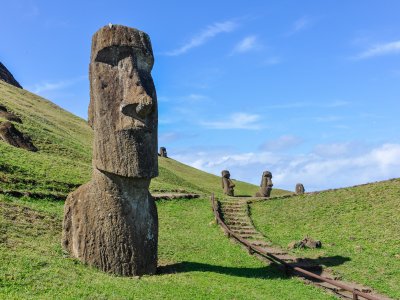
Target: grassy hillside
[[360, 223], [196, 260], [64, 158]]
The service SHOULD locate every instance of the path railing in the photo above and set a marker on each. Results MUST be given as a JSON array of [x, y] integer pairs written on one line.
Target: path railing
[[288, 267]]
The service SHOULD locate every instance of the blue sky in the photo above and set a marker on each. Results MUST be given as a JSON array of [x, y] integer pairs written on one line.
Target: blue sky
[[306, 89]]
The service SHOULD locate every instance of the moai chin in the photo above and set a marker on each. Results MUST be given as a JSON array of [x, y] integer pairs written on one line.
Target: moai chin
[[111, 222], [300, 189], [266, 185], [163, 152], [227, 183]]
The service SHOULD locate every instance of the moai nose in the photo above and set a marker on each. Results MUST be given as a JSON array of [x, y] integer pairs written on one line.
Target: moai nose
[[140, 106]]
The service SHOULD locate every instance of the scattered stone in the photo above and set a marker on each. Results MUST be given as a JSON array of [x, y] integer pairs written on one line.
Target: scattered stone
[[9, 116], [305, 243], [163, 152], [266, 185], [11, 135], [111, 222], [6, 76], [300, 189], [227, 183]]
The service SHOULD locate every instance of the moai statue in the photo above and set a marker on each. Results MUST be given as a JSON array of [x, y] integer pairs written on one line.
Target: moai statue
[[163, 152], [227, 183], [111, 222], [266, 185], [299, 189]]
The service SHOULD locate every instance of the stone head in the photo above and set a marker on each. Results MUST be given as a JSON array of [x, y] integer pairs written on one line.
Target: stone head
[[266, 178], [226, 174], [123, 102]]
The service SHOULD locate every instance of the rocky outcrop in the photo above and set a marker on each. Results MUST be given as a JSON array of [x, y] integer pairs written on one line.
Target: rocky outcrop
[[111, 222], [11, 135], [6, 76]]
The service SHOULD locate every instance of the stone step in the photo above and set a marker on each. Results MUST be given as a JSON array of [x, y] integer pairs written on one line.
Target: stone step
[[247, 232]]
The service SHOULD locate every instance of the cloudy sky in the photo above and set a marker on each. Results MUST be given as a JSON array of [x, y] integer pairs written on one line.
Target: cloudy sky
[[306, 89]]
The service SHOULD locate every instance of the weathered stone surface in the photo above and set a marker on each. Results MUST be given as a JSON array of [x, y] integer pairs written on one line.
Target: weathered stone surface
[[8, 115], [299, 189], [163, 152], [227, 183], [266, 185], [11, 135], [111, 222], [6, 76]]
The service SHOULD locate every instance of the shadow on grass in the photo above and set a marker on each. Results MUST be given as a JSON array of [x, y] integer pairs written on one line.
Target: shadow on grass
[[268, 272], [271, 271]]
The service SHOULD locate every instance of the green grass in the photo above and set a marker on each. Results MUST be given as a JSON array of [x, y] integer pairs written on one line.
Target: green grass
[[196, 260], [359, 227]]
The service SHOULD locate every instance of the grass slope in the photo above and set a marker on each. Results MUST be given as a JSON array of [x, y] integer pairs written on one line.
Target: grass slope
[[197, 261], [358, 224]]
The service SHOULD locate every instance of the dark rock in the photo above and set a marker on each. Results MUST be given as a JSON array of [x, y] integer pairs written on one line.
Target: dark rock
[[299, 189], [111, 222], [305, 243], [11, 135], [6, 76], [227, 183], [163, 152], [266, 185]]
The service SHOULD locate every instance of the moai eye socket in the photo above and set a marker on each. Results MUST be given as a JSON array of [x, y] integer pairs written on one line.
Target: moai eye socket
[[113, 54]]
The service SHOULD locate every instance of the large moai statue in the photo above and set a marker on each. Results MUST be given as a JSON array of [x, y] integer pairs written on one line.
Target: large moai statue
[[227, 183], [266, 185], [163, 152], [299, 189], [111, 222]]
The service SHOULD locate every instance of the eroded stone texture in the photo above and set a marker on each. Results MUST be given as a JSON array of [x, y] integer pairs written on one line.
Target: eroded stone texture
[[111, 222], [266, 185], [6, 76], [227, 183], [11, 135], [4, 113], [299, 189], [163, 152]]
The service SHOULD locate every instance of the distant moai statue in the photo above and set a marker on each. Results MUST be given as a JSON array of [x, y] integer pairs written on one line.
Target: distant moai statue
[[266, 185], [111, 222], [300, 189], [163, 152], [227, 183]]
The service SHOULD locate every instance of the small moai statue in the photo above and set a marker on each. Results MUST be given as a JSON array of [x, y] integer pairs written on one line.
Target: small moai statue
[[227, 183], [163, 152], [266, 185], [111, 222], [299, 189]]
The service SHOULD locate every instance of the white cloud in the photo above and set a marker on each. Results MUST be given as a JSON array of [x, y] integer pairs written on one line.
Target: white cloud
[[195, 97], [282, 143], [210, 32], [379, 50], [235, 121], [47, 86], [300, 24], [247, 44], [317, 170]]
